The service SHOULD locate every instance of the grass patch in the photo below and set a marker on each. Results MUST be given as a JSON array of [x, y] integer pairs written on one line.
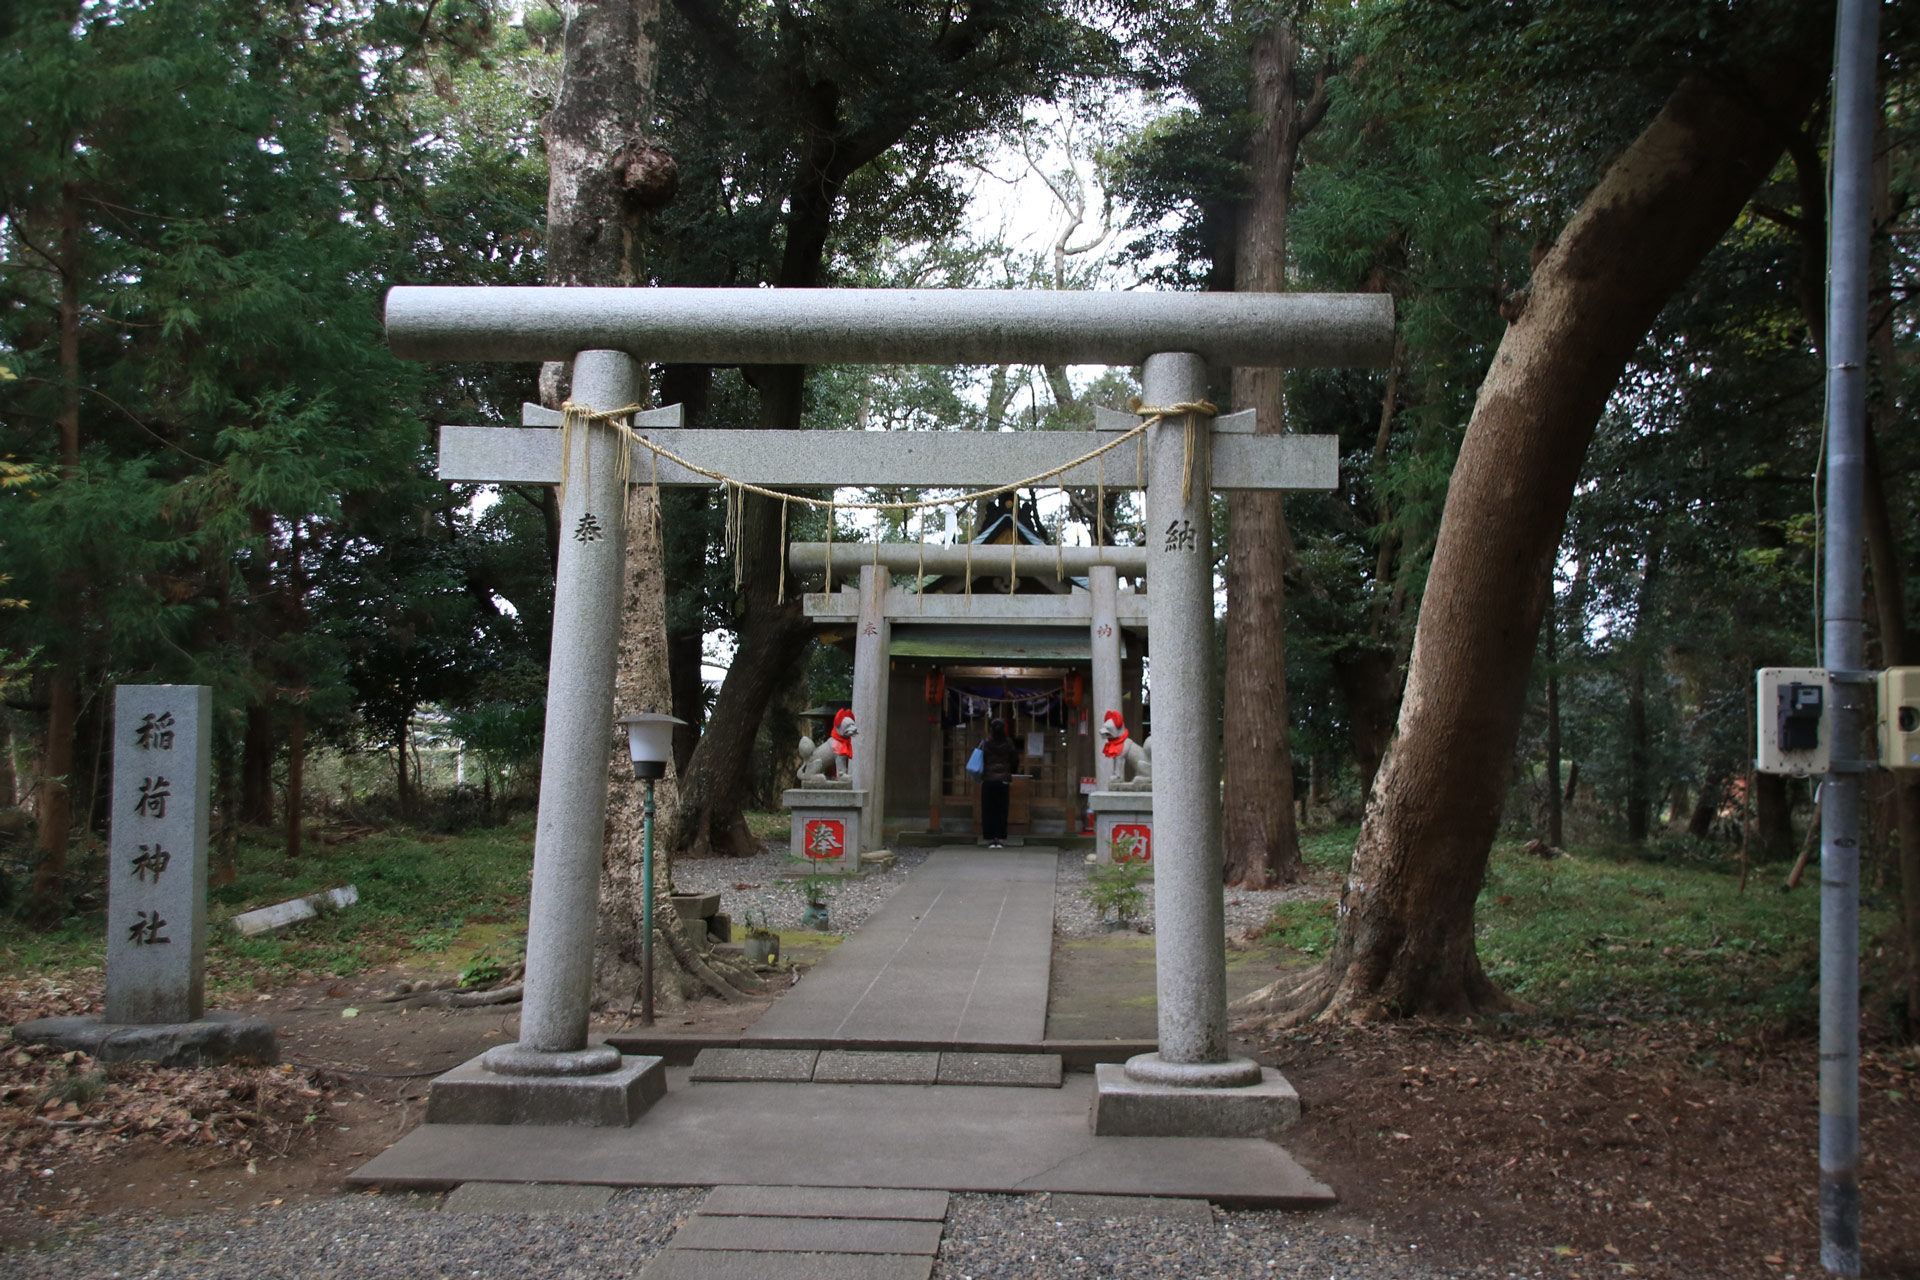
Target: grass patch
[[1305, 926], [1628, 930], [769, 824], [452, 901]]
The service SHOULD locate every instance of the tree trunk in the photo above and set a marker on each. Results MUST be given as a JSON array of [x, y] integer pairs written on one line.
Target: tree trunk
[[225, 853], [1772, 818], [54, 804], [602, 177], [1404, 944], [294, 609], [9, 783], [1639, 800], [1555, 824], [402, 773], [53, 807], [1713, 793], [256, 767], [684, 519], [296, 775], [1261, 837]]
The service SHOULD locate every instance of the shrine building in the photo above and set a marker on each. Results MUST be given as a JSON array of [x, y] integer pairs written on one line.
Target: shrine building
[[1047, 639]]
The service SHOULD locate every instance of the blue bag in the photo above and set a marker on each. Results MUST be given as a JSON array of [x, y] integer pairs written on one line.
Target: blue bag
[[976, 764]]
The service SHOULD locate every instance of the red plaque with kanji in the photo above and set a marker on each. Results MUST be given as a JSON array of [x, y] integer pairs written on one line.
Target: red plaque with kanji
[[825, 838], [1132, 842]]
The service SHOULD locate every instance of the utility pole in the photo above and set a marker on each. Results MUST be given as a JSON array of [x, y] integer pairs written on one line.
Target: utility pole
[[1855, 89]]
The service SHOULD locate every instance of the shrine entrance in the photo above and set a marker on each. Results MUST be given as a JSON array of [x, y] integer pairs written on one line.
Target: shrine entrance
[[1182, 450], [1011, 632]]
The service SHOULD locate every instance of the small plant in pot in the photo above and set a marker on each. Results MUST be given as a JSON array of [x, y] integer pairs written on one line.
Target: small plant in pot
[[762, 944], [812, 886]]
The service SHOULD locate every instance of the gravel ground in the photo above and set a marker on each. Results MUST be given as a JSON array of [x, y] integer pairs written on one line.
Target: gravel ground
[[361, 1236], [848, 906], [1016, 1236], [1074, 916], [403, 1236]]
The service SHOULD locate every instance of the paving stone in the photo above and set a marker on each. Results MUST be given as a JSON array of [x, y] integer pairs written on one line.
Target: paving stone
[[526, 1197], [762, 1065], [733, 1264], [1031, 1070], [826, 1202], [854, 1066], [1165, 1208], [809, 1235]]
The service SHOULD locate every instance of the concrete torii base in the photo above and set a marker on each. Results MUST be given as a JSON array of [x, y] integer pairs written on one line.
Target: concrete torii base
[[472, 1093], [1126, 1107]]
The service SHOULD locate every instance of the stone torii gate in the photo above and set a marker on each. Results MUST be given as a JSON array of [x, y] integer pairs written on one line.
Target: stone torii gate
[[1191, 1086]]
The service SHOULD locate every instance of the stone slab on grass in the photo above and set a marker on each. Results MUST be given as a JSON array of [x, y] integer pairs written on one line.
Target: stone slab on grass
[[1025, 1070], [526, 1197], [826, 1202], [1163, 1208], [854, 1066], [294, 910], [809, 1235], [471, 1094], [758, 1066], [717, 1264]]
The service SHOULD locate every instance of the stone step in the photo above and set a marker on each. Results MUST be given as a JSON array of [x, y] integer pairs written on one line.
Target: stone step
[[809, 1235], [826, 1202], [806, 1233], [737, 1264], [856, 1066]]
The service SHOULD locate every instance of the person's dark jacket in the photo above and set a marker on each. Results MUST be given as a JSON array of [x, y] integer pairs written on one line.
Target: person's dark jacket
[[998, 759]]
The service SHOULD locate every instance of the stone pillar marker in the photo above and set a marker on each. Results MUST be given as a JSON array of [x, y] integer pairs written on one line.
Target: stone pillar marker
[[157, 860], [157, 896], [870, 687]]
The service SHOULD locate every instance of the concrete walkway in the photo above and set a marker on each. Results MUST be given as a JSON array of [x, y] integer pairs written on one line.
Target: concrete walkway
[[960, 954], [947, 1138]]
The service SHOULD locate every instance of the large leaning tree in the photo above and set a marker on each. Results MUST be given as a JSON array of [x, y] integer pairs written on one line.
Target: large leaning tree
[[1404, 943], [606, 172]]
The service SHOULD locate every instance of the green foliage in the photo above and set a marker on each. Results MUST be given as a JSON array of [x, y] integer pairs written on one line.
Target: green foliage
[[492, 964], [1114, 887], [422, 898], [810, 882]]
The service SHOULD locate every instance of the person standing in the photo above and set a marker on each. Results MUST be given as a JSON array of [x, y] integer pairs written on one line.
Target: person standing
[[998, 758]]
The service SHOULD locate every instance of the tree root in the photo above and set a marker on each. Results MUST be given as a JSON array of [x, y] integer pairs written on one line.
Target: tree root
[[732, 986], [1328, 993], [448, 998]]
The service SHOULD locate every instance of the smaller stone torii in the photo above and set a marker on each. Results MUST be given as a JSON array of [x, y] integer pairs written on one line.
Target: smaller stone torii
[[1192, 1085]]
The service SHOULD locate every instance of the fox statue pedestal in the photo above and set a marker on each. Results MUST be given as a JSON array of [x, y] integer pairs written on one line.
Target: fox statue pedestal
[[826, 827]]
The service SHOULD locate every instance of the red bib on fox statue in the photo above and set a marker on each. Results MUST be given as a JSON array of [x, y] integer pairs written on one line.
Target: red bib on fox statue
[[841, 744], [1114, 730]]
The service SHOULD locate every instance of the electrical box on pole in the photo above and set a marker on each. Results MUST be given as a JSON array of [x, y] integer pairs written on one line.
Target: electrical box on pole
[[1900, 718], [1795, 731]]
